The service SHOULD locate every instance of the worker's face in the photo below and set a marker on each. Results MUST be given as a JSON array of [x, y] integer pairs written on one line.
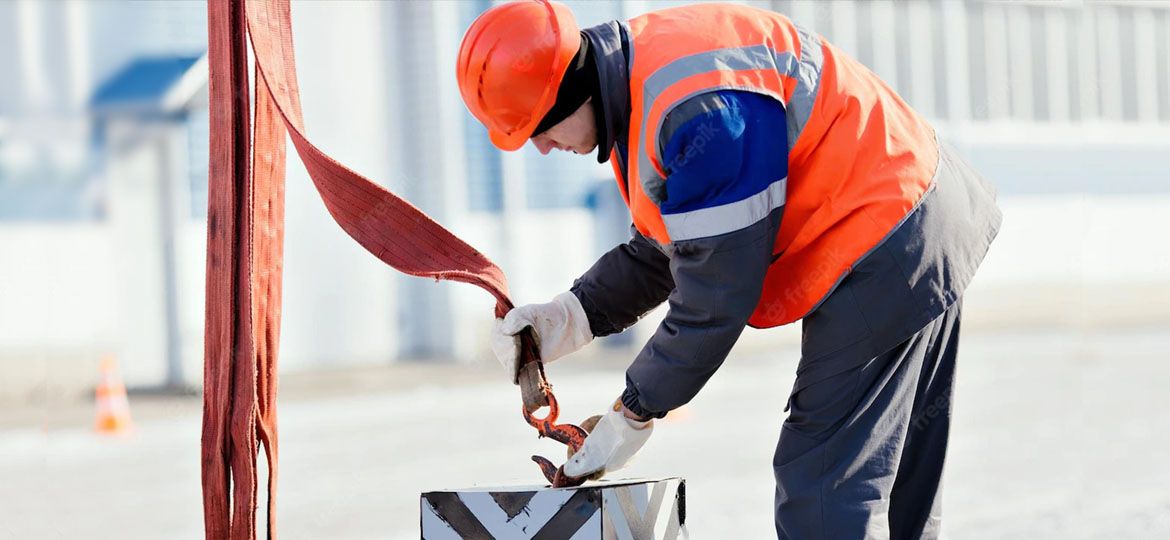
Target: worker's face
[[577, 133]]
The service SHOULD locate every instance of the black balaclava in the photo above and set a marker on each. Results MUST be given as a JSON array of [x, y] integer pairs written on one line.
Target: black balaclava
[[608, 46], [579, 84]]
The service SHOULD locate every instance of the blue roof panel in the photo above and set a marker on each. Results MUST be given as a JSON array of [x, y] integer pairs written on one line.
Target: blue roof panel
[[144, 81]]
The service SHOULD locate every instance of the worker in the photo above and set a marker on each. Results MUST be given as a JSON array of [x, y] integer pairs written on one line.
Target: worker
[[771, 178]]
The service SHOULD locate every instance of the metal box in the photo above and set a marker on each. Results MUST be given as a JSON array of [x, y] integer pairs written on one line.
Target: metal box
[[633, 509]]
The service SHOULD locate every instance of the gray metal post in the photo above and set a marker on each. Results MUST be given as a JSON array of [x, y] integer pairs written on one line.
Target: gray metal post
[[169, 223]]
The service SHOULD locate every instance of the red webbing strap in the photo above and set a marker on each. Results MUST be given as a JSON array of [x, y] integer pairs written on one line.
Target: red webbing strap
[[268, 162], [244, 250], [389, 227], [230, 370]]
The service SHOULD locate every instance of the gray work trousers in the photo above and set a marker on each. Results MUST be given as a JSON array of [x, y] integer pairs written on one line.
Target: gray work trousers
[[861, 453]]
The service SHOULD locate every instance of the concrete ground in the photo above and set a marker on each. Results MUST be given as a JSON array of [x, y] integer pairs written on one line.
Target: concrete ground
[[1057, 434]]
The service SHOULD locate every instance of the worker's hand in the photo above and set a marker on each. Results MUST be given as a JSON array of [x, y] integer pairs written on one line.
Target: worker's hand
[[617, 437], [560, 327]]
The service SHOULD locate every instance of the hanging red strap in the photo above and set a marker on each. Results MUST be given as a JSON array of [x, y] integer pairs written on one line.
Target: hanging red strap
[[386, 225], [232, 360], [244, 253]]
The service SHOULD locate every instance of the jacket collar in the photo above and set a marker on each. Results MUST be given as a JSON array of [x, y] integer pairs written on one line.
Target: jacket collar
[[611, 45]]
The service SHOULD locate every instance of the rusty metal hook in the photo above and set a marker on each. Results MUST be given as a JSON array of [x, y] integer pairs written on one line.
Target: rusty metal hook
[[571, 435]]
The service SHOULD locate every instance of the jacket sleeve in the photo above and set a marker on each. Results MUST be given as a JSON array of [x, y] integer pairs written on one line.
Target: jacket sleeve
[[623, 285], [722, 204]]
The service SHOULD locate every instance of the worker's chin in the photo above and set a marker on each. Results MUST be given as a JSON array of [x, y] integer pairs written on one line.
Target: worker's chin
[[584, 150]]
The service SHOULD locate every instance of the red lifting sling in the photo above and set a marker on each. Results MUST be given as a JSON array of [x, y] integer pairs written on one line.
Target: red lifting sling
[[244, 251]]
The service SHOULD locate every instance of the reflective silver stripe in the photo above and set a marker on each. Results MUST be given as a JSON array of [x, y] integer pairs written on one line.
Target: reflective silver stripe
[[733, 59], [808, 82], [806, 71], [728, 217], [729, 59]]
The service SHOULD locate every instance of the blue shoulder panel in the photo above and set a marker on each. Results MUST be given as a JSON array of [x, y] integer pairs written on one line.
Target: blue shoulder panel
[[722, 147]]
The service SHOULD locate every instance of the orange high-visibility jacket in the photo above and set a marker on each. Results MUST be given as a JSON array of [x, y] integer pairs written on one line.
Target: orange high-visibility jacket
[[860, 158]]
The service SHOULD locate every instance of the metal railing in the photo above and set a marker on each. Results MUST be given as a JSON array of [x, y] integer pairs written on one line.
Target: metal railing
[[1025, 61]]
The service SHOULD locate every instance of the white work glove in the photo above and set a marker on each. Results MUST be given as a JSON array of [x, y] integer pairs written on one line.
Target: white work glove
[[560, 327], [610, 445]]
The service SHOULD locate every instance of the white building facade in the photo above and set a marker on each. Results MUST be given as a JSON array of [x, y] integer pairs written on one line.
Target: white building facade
[[1064, 105]]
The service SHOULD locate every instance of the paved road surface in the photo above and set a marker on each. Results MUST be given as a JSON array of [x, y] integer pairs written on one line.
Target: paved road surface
[[1056, 435]]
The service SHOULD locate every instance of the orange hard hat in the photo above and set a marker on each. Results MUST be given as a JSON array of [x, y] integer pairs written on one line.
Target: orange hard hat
[[511, 62]]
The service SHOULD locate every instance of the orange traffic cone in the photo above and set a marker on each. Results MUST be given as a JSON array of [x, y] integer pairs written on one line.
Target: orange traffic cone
[[113, 409]]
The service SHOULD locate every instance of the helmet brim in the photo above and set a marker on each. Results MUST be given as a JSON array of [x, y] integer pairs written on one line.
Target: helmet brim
[[511, 142]]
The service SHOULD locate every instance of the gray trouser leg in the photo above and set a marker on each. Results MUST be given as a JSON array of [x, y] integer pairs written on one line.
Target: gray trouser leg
[[861, 453]]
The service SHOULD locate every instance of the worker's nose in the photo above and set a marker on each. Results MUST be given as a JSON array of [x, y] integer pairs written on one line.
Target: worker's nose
[[544, 146]]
